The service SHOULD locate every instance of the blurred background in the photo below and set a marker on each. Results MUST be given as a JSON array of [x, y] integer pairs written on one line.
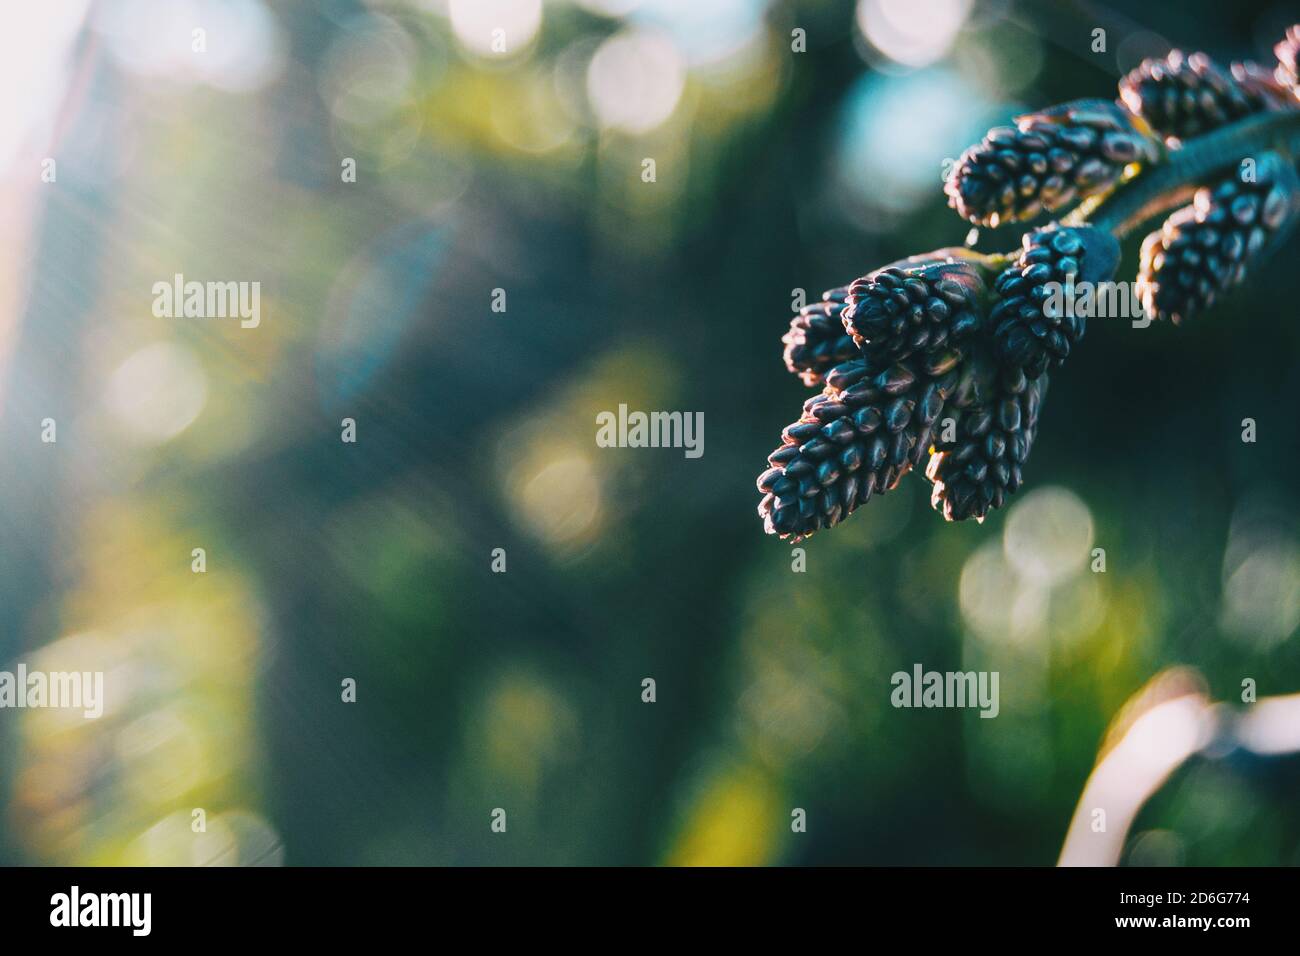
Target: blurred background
[[513, 161]]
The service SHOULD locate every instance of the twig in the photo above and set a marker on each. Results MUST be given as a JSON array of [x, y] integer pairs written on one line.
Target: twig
[[1169, 185]]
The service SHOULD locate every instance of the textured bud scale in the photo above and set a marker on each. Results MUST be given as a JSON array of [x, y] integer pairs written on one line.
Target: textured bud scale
[[817, 341], [1033, 327], [942, 358], [1206, 248], [1184, 96], [980, 469], [894, 312], [1048, 161], [856, 439], [1288, 59]]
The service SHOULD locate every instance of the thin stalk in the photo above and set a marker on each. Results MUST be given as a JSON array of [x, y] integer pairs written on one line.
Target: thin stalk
[[1172, 184]]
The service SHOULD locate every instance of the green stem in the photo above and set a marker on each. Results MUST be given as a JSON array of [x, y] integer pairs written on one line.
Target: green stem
[[1204, 158]]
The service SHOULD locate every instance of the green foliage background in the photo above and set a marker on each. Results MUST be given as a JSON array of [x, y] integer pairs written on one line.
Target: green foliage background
[[476, 431]]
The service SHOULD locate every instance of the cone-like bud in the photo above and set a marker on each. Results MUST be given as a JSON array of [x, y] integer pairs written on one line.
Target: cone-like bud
[[817, 341], [980, 469], [1183, 96], [1047, 161], [1288, 59], [977, 381], [1034, 326], [855, 440], [1267, 83], [902, 309], [1207, 248]]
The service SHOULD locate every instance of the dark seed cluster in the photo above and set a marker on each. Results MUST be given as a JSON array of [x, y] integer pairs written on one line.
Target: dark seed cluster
[[1033, 329], [942, 358], [896, 312], [978, 470], [1207, 248], [1184, 96], [1046, 162], [817, 341], [855, 440]]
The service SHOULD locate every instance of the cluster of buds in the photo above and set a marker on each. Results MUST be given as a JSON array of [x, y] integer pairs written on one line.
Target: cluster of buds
[[938, 363], [1206, 249]]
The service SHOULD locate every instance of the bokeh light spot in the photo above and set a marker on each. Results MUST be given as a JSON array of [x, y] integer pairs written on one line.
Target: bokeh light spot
[[912, 32], [1261, 596], [635, 80], [1048, 535], [561, 499], [495, 28], [158, 392]]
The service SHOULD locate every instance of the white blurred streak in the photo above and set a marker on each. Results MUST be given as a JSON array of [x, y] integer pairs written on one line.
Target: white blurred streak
[[35, 49], [36, 72], [1174, 721], [1154, 746], [1271, 726]]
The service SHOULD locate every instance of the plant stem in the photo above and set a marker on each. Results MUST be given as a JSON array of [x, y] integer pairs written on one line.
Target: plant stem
[[1172, 184]]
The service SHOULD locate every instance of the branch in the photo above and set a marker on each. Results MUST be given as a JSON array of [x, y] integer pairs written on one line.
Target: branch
[[1171, 184]]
